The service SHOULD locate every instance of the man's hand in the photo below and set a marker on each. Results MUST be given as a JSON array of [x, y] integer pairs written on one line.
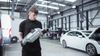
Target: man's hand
[[45, 31], [21, 43]]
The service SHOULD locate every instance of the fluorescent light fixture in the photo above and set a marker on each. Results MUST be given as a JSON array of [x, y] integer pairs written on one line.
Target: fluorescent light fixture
[[43, 12], [40, 0], [58, 12], [46, 1], [6, 7], [74, 6], [47, 6], [54, 3], [71, 0], [43, 2], [6, 0], [62, 5], [48, 15]]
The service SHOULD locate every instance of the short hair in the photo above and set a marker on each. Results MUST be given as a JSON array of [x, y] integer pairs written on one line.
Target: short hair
[[33, 9]]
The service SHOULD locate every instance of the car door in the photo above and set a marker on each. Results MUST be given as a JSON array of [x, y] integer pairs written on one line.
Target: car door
[[70, 39], [79, 40]]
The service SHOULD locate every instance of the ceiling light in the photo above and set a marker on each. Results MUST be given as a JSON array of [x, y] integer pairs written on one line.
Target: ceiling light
[[49, 16], [43, 12], [6, 7], [7, 0], [47, 6], [4, 1], [58, 12], [73, 6], [46, 1], [71, 0], [62, 5], [40, 0], [43, 2], [54, 3]]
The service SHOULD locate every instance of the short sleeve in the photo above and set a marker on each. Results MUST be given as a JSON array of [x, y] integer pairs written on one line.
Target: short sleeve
[[21, 27]]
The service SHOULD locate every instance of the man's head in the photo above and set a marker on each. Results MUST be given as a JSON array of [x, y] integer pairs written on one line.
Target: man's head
[[32, 13]]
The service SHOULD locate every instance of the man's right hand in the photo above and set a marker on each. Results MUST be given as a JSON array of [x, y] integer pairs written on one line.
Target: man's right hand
[[21, 43]]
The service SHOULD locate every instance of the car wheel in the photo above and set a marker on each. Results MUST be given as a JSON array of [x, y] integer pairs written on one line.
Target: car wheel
[[14, 39], [91, 50], [64, 44]]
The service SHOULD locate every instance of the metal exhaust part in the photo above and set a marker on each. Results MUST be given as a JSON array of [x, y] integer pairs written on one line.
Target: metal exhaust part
[[33, 35]]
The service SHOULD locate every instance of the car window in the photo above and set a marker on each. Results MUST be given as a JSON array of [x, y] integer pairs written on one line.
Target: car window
[[79, 34], [87, 33], [71, 33]]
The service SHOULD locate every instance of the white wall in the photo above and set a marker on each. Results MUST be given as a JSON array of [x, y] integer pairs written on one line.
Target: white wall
[[42, 19]]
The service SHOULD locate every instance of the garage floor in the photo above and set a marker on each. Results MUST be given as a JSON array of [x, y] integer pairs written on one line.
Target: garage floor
[[49, 48]]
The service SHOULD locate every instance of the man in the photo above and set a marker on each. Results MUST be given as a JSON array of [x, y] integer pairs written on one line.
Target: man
[[30, 49]]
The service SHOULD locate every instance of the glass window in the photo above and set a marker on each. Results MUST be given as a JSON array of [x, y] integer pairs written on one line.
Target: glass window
[[87, 33], [79, 34], [71, 34]]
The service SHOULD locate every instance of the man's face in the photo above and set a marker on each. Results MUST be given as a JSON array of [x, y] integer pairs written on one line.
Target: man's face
[[32, 16]]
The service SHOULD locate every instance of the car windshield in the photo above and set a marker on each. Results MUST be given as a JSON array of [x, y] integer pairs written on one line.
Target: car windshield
[[87, 33]]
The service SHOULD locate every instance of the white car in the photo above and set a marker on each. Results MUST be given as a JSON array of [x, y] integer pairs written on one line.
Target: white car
[[88, 41]]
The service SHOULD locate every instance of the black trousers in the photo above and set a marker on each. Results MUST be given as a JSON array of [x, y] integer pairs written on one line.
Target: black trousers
[[1, 51], [31, 53]]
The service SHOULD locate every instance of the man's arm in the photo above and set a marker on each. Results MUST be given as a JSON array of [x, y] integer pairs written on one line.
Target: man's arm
[[21, 36], [21, 30]]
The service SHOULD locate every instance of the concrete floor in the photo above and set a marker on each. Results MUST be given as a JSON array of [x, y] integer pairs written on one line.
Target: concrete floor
[[49, 48]]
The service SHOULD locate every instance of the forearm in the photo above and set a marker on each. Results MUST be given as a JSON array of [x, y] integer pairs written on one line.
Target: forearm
[[21, 36]]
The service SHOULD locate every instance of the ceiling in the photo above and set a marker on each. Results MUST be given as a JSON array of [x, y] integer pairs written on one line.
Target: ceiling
[[44, 6]]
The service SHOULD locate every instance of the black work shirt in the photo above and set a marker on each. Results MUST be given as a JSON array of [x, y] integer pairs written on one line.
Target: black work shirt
[[25, 27]]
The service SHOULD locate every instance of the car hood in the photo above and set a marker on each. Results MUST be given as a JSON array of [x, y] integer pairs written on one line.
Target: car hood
[[95, 34]]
